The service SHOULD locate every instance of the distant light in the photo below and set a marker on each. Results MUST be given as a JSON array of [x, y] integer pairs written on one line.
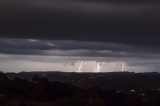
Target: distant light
[[132, 90]]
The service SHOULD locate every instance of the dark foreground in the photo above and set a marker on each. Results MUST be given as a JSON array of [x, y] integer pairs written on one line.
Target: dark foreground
[[39, 91]]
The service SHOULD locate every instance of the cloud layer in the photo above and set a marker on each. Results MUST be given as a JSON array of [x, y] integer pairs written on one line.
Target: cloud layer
[[117, 21], [68, 31], [53, 55], [74, 48]]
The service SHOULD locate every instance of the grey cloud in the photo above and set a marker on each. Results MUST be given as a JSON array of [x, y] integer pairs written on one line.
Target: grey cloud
[[74, 30], [75, 48], [81, 20]]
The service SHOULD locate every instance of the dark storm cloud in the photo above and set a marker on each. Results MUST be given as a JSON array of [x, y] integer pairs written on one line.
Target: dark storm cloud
[[124, 21], [74, 48], [30, 54], [124, 1]]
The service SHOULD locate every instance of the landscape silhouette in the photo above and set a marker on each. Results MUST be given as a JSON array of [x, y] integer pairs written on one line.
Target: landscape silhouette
[[80, 89]]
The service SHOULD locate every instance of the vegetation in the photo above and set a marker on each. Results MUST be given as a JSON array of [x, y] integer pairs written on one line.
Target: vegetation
[[39, 91]]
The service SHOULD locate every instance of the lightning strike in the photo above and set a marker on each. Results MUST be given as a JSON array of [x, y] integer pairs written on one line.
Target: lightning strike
[[94, 68], [123, 67], [80, 66], [98, 67]]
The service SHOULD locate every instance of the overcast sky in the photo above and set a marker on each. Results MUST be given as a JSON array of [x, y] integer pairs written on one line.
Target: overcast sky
[[63, 34], [75, 56]]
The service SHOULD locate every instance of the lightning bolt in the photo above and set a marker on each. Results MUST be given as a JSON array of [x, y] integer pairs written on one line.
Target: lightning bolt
[[98, 67], [94, 68], [80, 66], [123, 66]]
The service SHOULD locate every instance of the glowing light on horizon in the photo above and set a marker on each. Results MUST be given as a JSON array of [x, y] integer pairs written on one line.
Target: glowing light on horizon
[[97, 66]]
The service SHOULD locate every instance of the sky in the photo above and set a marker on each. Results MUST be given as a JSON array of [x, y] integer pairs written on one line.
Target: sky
[[75, 56], [80, 35]]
